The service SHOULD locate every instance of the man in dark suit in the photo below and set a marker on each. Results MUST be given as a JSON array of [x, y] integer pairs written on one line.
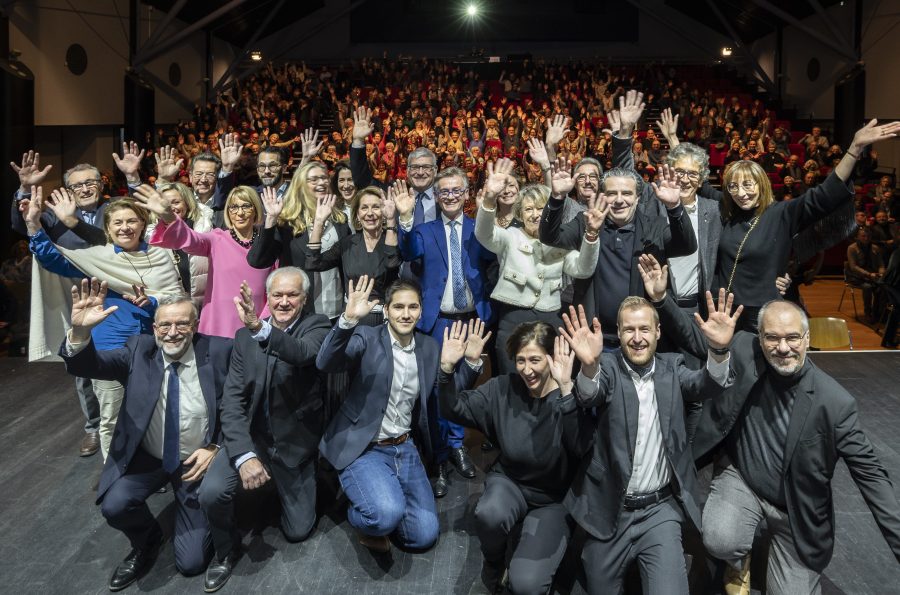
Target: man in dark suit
[[390, 409], [454, 285], [639, 485], [271, 417], [271, 167], [168, 425], [784, 424]]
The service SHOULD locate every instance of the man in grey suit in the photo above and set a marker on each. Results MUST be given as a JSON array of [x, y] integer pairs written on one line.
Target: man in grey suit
[[783, 424], [638, 486]]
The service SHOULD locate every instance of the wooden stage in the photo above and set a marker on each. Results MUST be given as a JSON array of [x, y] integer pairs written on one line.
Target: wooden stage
[[55, 541]]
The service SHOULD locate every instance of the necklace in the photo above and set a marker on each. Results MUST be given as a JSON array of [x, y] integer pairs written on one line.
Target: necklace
[[244, 243], [136, 272], [504, 221]]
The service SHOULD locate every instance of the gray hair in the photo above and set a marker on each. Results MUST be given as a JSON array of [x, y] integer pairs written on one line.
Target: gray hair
[[78, 168], [693, 152], [422, 152], [451, 172], [621, 172], [207, 156], [804, 320], [304, 278], [174, 299], [590, 161]]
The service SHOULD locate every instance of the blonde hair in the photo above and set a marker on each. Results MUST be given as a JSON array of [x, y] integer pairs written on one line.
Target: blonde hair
[[746, 170], [245, 193], [537, 193], [192, 211], [635, 302], [299, 210], [357, 199], [119, 205]]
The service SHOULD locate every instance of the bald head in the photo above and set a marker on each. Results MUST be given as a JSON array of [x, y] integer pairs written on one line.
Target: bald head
[[784, 336]]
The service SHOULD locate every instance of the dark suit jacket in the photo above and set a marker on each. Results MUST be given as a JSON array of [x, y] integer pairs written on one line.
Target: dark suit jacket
[[366, 353], [596, 497], [353, 259], [281, 369], [824, 427], [83, 235], [139, 368], [428, 242], [360, 170]]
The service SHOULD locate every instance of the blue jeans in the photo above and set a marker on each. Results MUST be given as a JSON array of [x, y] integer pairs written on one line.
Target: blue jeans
[[451, 434], [389, 494]]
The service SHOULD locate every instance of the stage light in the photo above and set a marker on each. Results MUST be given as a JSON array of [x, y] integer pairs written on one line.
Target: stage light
[[256, 55], [726, 51], [472, 10]]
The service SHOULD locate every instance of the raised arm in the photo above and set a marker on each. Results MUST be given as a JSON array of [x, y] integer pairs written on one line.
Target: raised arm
[[552, 230], [130, 162], [343, 347], [488, 234]]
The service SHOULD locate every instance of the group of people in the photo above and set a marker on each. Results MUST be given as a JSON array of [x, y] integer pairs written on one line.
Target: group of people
[[212, 323]]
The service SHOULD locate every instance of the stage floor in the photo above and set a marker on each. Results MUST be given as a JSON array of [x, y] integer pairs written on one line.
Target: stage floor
[[55, 541]]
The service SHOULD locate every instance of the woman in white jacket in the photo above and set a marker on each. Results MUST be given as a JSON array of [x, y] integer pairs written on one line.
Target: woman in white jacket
[[530, 278]]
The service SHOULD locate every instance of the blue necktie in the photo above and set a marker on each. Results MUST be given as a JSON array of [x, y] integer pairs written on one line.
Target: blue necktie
[[172, 433], [459, 282], [419, 211]]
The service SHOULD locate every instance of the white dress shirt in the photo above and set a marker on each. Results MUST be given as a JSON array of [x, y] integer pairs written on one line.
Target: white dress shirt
[[329, 297], [686, 269], [447, 305]]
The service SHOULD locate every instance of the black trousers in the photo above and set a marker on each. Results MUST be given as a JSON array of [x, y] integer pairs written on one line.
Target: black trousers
[[125, 508], [545, 534], [296, 489]]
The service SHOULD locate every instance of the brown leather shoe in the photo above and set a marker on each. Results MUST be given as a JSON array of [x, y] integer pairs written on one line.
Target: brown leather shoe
[[377, 545], [90, 444]]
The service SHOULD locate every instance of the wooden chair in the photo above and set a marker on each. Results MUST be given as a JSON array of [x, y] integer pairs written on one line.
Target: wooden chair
[[829, 333]]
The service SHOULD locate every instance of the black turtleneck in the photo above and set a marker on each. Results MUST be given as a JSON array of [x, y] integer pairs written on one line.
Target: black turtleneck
[[756, 445]]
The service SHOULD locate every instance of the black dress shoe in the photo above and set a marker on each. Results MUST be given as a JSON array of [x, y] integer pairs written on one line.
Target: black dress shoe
[[460, 459], [137, 562], [492, 575], [218, 572], [442, 483], [487, 445]]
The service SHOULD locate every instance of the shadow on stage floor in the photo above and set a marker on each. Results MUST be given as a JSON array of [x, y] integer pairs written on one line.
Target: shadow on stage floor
[[55, 541]]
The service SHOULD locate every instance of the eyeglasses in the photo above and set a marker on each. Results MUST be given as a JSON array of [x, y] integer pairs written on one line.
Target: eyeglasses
[[684, 173], [241, 208], [165, 327], [420, 168], [793, 341], [265, 166], [86, 185], [454, 192], [748, 185], [582, 178], [204, 175]]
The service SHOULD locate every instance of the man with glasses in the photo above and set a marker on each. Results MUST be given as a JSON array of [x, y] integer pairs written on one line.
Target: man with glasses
[[783, 425], [454, 270], [271, 167], [80, 229], [167, 432]]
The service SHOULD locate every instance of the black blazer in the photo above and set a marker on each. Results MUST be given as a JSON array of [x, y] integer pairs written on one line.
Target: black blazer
[[824, 427], [139, 368], [596, 497], [281, 369], [352, 257]]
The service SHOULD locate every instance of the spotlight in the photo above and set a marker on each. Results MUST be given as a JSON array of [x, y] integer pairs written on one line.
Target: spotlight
[[256, 55], [472, 10], [726, 51]]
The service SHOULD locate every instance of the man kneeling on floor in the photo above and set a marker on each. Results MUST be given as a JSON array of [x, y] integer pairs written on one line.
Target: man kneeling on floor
[[388, 411]]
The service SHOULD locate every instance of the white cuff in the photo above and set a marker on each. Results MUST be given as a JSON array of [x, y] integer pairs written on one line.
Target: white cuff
[[263, 333], [346, 324]]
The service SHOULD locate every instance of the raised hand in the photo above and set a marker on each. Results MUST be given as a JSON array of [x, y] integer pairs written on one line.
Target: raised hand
[[139, 297], [29, 171], [454, 346], [614, 122], [403, 199], [556, 131], [655, 277], [667, 191], [358, 303], [719, 327], [595, 214], [631, 106], [497, 172], [309, 141], [324, 208], [168, 163], [273, 205], [130, 161], [560, 364], [230, 149], [246, 310], [476, 341], [151, 199], [538, 152], [586, 340], [871, 133], [362, 125], [668, 125], [562, 181], [32, 209], [87, 308], [63, 205], [389, 208]]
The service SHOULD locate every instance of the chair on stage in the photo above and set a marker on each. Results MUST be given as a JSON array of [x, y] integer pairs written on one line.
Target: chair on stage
[[829, 333], [850, 286]]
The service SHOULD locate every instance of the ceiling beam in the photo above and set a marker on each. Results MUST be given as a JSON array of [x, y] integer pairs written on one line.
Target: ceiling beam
[[762, 76], [790, 20], [247, 48], [670, 26], [829, 22], [167, 20]]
